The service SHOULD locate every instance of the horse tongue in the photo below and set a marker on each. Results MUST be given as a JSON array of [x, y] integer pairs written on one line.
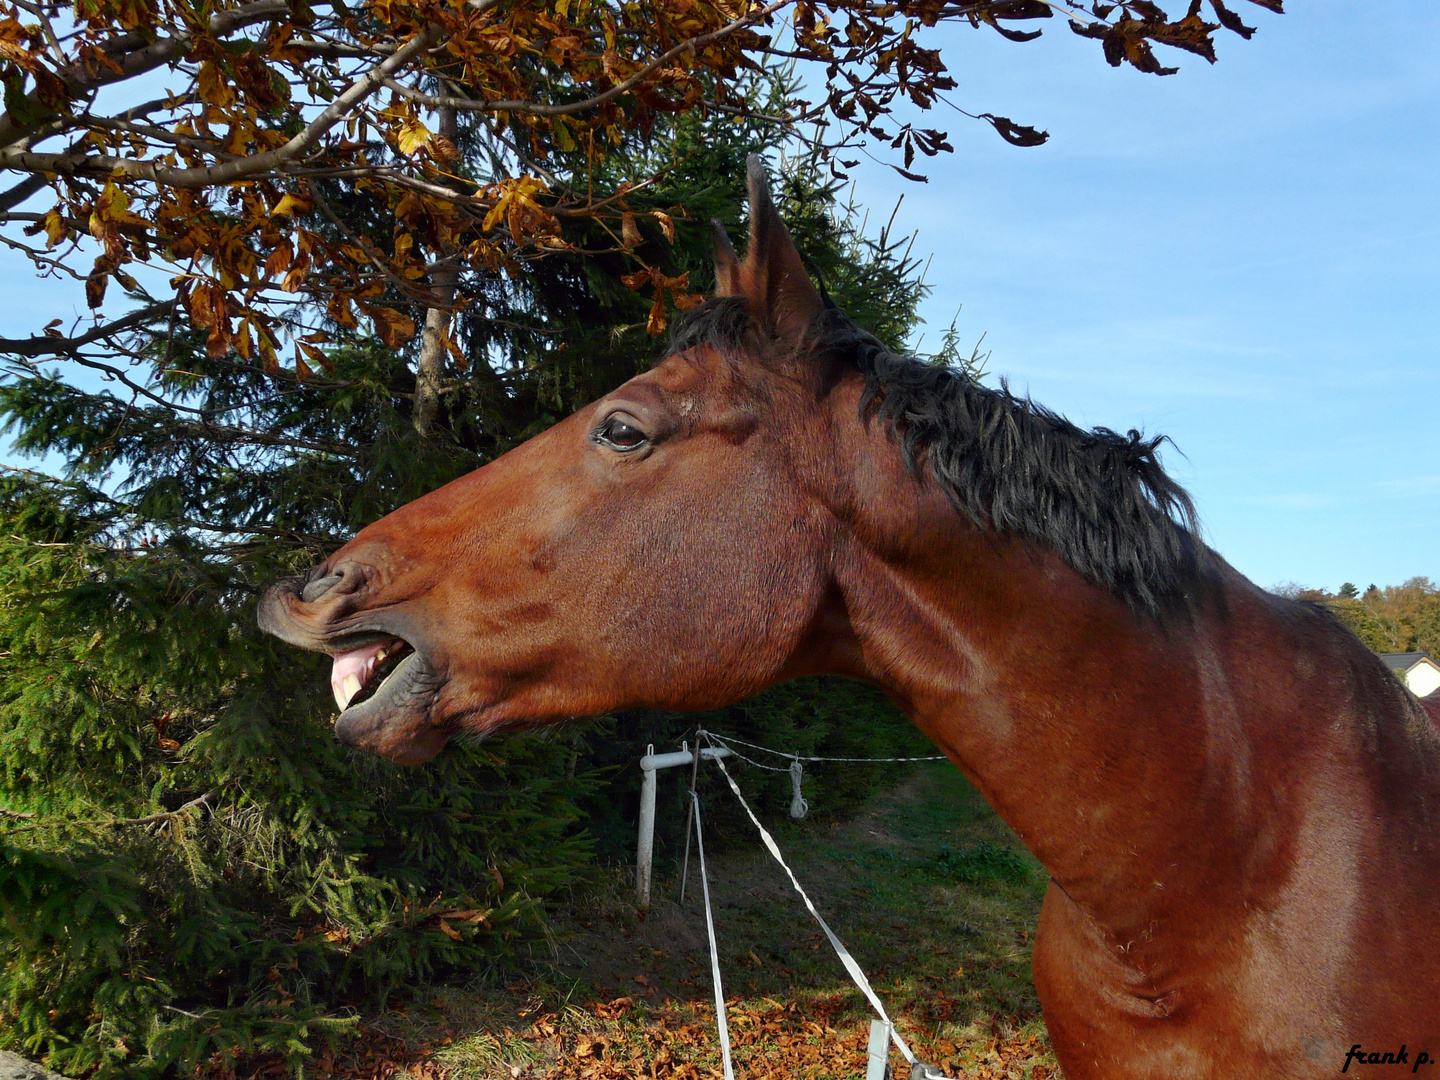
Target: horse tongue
[[352, 671]]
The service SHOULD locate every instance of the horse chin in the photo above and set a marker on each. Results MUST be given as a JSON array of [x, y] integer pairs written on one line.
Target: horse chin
[[397, 721]]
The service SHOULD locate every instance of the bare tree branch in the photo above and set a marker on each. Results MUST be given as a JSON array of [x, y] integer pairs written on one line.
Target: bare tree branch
[[230, 171], [569, 108], [23, 190], [63, 346], [80, 79]]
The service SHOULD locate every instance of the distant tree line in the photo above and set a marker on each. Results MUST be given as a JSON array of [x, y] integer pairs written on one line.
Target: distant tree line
[[1395, 618]]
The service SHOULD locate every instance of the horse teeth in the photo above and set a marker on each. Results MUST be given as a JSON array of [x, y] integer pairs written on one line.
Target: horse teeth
[[348, 689]]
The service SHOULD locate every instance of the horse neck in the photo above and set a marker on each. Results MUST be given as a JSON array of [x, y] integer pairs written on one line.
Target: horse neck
[[1079, 720]]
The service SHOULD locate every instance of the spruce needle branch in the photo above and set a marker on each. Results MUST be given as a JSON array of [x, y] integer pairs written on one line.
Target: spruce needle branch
[[114, 823]]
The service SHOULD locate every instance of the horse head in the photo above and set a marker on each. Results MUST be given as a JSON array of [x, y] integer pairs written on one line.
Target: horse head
[[664, 546]]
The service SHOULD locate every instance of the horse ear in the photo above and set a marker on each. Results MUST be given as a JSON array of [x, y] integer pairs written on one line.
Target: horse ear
[[727, 263], [773, 278]]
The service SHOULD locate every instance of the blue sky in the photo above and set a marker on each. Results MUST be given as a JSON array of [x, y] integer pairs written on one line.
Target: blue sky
[[1245, 257]]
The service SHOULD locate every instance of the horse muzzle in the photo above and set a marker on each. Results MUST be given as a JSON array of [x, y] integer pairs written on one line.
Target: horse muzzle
[[382, 677]]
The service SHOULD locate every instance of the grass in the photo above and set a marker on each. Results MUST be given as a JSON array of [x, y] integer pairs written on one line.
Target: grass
[[931, 892]]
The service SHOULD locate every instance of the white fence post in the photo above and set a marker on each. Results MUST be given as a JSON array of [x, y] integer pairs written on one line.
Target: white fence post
[[645, 845], [645, 850], [877, 1063]]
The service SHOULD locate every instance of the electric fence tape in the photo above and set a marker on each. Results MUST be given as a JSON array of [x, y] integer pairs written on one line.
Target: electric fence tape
[[720, 1020], [851, 967]]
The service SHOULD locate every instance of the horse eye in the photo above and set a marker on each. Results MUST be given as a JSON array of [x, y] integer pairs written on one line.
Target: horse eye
[[618, 435]]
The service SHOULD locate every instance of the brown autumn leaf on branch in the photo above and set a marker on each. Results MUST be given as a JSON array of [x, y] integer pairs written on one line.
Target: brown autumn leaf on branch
[[212, 162]]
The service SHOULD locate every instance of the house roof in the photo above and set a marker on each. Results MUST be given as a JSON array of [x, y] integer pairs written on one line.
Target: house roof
[[1404, 661]]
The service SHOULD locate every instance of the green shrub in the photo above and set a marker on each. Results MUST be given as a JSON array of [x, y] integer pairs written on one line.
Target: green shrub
[[191, 863]]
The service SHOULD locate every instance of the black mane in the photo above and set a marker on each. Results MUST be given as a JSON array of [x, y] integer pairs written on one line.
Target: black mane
[[1101, 500]]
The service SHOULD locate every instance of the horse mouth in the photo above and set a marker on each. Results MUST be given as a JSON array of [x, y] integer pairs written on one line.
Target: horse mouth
[[360, 674], [386, 692]]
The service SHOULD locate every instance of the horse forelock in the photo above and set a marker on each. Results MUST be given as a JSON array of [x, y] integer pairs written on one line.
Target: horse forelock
[[1101, 500]]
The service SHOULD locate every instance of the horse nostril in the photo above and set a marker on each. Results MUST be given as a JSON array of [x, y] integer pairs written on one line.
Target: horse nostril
[[345, 578], [319, 587]]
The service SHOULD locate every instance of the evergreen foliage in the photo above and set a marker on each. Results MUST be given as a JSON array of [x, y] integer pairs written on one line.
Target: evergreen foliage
[[813, 717], [191, 868], [191, 864]]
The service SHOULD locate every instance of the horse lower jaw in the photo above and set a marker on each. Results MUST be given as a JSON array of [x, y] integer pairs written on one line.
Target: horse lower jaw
[[396, 721]]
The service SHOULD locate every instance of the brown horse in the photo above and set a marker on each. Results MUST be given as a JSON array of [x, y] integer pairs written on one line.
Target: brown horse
[[1238, 804]]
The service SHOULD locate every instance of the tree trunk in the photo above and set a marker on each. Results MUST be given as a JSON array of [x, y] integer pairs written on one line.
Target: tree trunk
[[431, 366]]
